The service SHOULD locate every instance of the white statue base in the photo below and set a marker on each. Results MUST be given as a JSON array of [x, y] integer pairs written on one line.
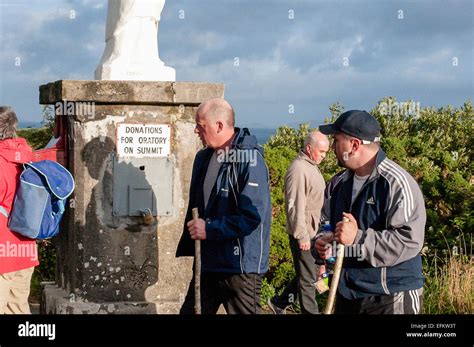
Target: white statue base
[[118, 70], [131, 49]]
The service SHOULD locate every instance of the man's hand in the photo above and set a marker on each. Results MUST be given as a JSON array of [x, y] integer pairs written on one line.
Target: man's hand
[[346, 232], [305, 245], [323, 246], [197, 229]]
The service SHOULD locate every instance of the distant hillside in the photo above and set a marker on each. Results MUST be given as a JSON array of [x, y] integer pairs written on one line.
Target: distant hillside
[[262, 134], [24, 125], [36, 137]]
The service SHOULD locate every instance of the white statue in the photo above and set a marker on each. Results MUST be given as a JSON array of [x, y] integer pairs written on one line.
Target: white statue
[[131, 37]]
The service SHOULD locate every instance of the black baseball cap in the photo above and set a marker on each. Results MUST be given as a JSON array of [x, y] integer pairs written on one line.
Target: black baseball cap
[[360, 124]]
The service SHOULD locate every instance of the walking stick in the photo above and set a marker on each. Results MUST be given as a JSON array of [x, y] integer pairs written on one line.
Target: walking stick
[[335, 278], [197, 269]]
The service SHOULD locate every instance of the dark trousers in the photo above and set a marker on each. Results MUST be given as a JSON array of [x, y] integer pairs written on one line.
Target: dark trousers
[[302, 285], [409, 302], [239, 293]]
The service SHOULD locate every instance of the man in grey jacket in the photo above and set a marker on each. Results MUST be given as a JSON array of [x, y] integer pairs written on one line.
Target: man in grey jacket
[[304, 197], [384, 234]]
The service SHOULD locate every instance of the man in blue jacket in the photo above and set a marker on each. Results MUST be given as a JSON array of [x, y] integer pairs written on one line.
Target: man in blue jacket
[[384, 234], [230, 188]]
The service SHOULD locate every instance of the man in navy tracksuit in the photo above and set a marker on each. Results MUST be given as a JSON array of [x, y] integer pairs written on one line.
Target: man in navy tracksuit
[[230, 188], [382, 270]]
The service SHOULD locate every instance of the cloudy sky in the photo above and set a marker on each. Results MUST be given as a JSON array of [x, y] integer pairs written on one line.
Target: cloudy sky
[[282, 61]]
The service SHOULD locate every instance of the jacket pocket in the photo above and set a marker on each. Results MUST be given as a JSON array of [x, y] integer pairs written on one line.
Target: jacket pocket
[[367, 280], [221, 255]]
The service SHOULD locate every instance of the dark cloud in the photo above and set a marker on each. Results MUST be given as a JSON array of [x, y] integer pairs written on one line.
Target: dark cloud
[[282, 61]]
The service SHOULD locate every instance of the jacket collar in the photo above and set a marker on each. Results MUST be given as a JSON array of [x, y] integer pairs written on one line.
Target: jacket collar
[[244, 140], [16, 150], [303, 156], [380, 156]]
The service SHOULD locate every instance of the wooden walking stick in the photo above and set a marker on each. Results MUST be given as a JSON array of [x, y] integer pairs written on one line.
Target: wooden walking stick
[[335, 278], [197, 269]]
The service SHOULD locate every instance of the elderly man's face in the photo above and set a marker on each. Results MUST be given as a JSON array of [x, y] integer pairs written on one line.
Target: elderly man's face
[[206, 131], [318, 152]]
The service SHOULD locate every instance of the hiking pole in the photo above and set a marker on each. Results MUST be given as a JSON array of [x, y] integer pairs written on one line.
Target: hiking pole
[[197, 269], [335, 278]]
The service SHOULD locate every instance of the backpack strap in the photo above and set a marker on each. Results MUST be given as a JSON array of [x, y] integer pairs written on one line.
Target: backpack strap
[[3, 211]]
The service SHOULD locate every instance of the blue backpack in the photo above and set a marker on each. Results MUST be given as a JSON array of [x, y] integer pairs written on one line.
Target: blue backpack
[[40, 199]]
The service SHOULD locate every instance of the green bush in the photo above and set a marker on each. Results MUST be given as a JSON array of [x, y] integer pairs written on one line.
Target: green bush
[[37, 137], [281, 265], [436, 147], [449, 286]]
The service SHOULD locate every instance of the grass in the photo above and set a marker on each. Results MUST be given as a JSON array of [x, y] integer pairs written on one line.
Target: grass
[[45, 271], [449, 282]]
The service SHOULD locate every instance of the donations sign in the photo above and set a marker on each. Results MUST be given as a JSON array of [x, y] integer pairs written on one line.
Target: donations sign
[[143, 140]]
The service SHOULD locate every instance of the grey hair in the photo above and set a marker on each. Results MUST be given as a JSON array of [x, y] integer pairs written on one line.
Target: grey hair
[[218, 109], [8, 123], [311, 138]]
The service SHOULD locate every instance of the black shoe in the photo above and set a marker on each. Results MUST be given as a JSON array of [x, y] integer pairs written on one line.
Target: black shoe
[[275, 308]]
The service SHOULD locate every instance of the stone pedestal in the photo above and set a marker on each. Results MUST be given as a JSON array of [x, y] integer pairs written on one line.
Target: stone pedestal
[[107, 261]]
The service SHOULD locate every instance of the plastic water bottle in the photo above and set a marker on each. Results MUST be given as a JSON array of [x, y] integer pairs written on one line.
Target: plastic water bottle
[[327, 228]]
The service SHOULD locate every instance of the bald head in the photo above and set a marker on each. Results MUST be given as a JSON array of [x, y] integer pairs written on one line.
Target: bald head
[[316, 145], [215, 123], [216, 110]]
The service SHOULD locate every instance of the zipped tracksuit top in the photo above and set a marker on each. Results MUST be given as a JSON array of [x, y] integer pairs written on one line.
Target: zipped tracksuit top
[[391, 217], [238, 213]]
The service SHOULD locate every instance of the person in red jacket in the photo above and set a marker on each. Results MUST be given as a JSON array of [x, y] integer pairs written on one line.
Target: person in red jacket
[[18, 254]]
